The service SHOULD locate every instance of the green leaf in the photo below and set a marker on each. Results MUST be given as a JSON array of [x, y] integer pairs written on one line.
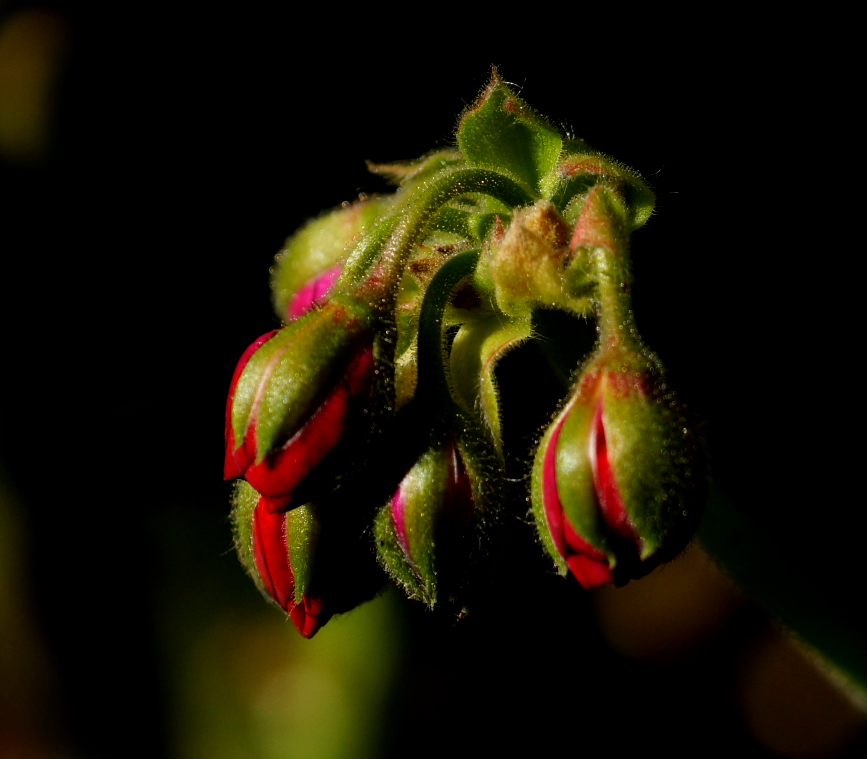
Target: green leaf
[[477, 348], [502, 132]]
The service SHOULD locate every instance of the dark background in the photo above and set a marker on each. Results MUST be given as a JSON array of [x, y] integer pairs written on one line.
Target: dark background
[[186, 145]]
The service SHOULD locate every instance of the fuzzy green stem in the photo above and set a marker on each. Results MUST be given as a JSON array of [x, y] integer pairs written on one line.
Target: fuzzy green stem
[[613, 303], [381, 281], [366, 252], [434, 383]]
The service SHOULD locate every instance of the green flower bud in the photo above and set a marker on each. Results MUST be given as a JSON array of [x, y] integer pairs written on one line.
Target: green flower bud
[[421, 532]]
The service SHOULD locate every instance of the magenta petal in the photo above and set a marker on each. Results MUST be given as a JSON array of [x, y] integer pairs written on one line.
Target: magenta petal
[[313, 292], [398, 514], [550, 497], [607, 493]]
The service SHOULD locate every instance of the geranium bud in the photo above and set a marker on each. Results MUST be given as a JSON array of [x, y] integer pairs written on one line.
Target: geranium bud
[[319, 246], [618, 478], [420, 530], [295, 397], [527, 268], [279, 550]]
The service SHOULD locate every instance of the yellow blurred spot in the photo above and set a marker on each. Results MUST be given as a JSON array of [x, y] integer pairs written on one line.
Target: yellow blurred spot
[[668, 614], [255, 689], [32, 44]]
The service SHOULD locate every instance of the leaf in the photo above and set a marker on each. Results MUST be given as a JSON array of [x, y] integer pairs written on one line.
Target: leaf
[[502, 132], [477, 348], [413, 172]]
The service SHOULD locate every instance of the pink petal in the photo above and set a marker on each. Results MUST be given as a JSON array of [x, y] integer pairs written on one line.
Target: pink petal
[[314, 292], [550, 497], [609, 497]]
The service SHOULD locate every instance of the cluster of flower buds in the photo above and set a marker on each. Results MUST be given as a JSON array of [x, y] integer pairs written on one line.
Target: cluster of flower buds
[[367, 431]]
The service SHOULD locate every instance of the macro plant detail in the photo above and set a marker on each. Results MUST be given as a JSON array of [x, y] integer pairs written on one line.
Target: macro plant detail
[[366, 434]]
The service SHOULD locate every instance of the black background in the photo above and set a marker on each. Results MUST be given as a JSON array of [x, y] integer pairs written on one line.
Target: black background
[[189, 145]]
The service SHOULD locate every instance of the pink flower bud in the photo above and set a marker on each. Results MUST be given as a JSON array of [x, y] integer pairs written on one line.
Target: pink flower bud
[[617, 483], [421, 532], [271, 556], [294, 397]]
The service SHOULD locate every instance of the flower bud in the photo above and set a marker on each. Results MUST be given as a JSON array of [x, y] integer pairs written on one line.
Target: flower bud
[[618, 479], [529, 268], [420, 531], [279, 550], [319, 246], [294, 397]]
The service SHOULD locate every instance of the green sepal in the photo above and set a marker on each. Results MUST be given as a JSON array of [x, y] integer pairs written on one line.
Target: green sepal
[[501, 132], [244, 500], [424, 490], [293, 371], [575, 485], [653, 452], [319, 245], [538, 504], [303, 527], [580, 168], [477, 347], [392, 558]]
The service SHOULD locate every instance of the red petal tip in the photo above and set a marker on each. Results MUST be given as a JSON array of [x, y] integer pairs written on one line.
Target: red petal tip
[[590, 573], [305, 616]]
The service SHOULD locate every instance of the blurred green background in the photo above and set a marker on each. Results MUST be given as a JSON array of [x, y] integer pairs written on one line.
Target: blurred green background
[[152, 161]]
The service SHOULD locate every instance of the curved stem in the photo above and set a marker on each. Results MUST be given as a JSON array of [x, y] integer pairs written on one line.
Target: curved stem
[[433, 379], [613, 304], [366, 251], [381, 281]]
